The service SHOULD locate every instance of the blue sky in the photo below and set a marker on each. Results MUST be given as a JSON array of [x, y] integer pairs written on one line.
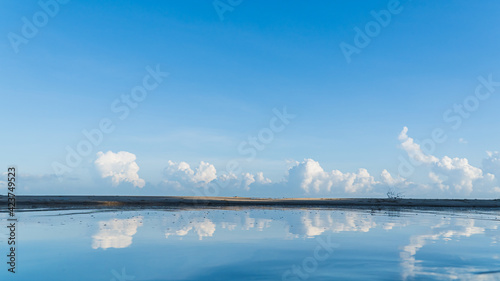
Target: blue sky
[[226, 77]]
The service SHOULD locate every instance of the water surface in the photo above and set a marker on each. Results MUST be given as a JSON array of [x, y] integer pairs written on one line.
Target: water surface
[[255, 244]]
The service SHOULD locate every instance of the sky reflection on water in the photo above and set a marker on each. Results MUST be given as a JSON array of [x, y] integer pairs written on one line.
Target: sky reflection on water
[[256, 244]]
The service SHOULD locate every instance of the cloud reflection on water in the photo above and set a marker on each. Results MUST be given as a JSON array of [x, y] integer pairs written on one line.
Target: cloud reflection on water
[[116, 233], [421, 231], [448, 229]]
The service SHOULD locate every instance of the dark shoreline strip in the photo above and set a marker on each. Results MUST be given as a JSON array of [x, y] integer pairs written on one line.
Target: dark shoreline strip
[[34, 202]]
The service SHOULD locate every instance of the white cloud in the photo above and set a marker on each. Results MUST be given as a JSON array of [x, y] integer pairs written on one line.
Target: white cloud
[[413, 149], [446, 175], [462, 141], [259, 178], [116, 233], [243, 180], [248, 179], [492, 163], [387, 179], [308, 175], [180, 175], [445, 172], [458, 173], [311, 177], [121, 167], [205, 173]]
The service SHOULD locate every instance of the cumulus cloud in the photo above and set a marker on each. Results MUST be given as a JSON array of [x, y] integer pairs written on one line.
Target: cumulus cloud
[[205, 173], [308, 176], [121, 167], [456, 172], [387, 179], [492, 163], [451, 175], [248, 179], [312, 178], [436, 176], [446, 173], [413, 149], [181, 175]]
